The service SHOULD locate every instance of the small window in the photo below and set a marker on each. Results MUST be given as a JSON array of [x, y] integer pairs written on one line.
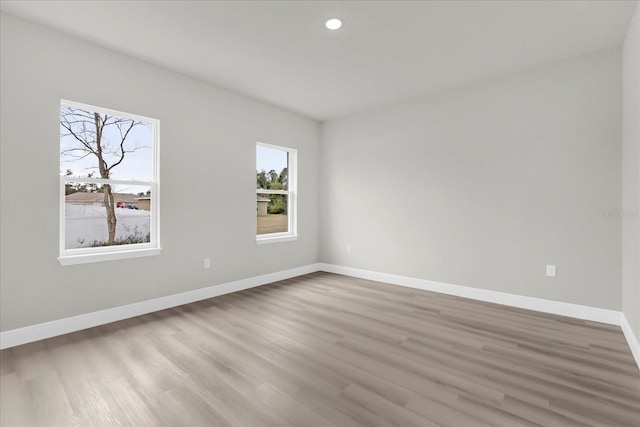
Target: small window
[[108, 184], [275, 193]]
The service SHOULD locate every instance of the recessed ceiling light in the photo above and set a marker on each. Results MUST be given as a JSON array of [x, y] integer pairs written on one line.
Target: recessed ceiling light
[[333, 24]]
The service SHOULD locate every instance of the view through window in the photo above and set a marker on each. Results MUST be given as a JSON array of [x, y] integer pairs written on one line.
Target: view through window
[[275, 183], [108, 180]]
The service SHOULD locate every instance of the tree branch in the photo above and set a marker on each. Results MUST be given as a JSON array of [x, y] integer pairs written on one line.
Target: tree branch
[[122, 139]]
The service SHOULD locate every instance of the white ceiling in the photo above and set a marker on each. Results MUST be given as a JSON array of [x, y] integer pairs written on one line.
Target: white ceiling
[[386, 51]]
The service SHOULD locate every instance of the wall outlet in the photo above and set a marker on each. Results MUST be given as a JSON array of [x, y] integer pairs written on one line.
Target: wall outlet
[[551, 270], [207, 263], [348, 249]]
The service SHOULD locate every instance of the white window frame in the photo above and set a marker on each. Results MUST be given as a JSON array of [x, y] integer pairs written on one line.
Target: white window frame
[[292, 202], [110, 253]]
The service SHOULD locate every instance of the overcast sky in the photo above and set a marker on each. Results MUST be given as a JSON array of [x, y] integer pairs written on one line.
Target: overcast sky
[[268, 158]]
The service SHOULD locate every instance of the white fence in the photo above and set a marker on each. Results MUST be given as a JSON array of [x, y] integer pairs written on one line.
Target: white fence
[[87, 224]]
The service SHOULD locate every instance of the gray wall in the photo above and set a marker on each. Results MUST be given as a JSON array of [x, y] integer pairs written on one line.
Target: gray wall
[[481, 186], [208, 138], [631, 175], [485, 185]]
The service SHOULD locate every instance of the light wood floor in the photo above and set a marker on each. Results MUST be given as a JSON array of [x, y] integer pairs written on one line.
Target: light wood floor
[[323, 350]]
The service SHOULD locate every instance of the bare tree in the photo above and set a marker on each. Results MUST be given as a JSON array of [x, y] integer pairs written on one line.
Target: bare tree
[[89, 130]]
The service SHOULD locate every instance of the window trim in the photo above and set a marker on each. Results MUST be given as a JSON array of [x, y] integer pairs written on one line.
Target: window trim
[[110, 253], [292, 197]]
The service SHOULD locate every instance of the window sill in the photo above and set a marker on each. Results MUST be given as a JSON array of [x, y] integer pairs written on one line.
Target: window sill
[[276, 239], [107, 256]]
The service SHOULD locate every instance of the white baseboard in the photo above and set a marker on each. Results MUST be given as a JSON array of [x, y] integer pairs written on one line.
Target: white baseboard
[[594, 314], [634, 345], [602, 315], [54, 328]]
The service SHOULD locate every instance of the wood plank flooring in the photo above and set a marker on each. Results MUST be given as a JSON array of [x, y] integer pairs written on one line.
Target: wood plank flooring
[[327, 350]]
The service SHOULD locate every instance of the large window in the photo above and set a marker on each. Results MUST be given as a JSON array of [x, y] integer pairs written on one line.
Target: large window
[[108, 184], [275, 193]]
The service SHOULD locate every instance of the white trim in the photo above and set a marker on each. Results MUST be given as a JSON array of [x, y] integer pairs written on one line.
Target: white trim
[[83, 106], [90, 255], [634, 345], [270, 238], [595, 314], [291, 192], [107, 256], [54, 328]]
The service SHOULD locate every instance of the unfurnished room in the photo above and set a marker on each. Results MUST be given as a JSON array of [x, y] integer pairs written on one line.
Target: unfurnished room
[[320, 213]]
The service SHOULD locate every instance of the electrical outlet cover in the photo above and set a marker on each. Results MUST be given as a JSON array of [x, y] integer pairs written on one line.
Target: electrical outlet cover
[[551, 270]]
